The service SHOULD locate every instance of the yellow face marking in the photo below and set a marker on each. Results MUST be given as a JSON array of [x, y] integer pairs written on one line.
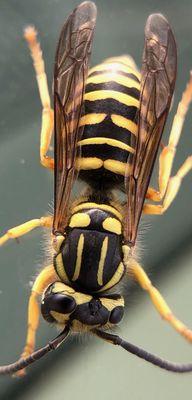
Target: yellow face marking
[[106, 140], [60, 268], [88, 163], [102, 261], [59, 317], [112, 225], [79, 257], [60, 287], [110, 304], [112, 94], [116, 67], [115, 278], [80, 220], [118, 167], [104, 207], [91, 119], [82, 298], [126, 123], [113, 76]]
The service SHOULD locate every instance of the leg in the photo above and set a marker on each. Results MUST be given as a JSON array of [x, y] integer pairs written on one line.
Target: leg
[[172, 189], [168, 187], [44, 279], [158, 301], [23, 229], [30, 35]]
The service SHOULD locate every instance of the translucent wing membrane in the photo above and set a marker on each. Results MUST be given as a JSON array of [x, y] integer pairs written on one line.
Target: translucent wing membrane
[[158, 76], [71, 68]]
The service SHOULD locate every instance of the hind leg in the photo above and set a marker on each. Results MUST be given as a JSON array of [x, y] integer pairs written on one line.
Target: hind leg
[[169, 186], [30, 35]]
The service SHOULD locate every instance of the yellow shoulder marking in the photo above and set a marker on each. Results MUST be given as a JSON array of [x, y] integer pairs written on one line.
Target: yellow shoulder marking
[[126, 123], [79, 257], [102, 261], [112, 94], [112, 225], [79, 220]]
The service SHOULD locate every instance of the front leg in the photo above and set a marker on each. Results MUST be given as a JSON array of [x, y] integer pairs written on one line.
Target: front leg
[[160, 304], [43, 280]]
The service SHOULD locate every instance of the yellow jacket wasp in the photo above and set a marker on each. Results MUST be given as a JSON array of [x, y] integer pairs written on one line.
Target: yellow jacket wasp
[[107, 123]]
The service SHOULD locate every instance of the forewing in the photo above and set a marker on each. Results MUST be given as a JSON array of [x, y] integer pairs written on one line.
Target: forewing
[[158, 76], [71, 68]]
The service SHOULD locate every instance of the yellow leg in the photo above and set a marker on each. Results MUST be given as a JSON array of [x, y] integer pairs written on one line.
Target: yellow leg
[[168, 187], [171, 191], [23, 229], [30, 35], [44, 279], [158, 301]]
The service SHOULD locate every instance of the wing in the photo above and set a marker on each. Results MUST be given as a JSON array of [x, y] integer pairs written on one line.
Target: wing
[[158, 76], [71, 68]]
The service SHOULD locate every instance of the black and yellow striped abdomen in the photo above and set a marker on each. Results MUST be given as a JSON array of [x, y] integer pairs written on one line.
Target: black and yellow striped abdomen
[[110, 127], [90, 257]]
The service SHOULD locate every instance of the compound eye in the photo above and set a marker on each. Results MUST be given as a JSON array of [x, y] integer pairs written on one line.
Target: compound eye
[[116, 315], [62, 303], [59, 302]]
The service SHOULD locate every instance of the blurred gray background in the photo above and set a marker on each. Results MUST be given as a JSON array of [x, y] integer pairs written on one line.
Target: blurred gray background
[[88, 368]]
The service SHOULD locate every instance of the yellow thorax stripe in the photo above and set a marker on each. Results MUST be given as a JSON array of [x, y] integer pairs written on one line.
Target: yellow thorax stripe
[[112, 94], [112, 225], [115, 77], [79, 257], [106, 140], [115, 67], [103, 254], [79, 220], [126, 123], [60, 268], [115, 278], [104, 207]]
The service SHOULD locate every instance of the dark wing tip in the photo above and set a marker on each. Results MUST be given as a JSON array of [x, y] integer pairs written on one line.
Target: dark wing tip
[[87, 10], [157, 25], [157, 18]]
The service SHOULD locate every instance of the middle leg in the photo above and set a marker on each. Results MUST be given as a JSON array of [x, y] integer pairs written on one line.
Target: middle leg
[[168, 187], [23, 229]]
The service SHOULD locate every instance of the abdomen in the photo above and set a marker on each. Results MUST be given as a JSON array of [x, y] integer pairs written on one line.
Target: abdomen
[[110, 126]]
